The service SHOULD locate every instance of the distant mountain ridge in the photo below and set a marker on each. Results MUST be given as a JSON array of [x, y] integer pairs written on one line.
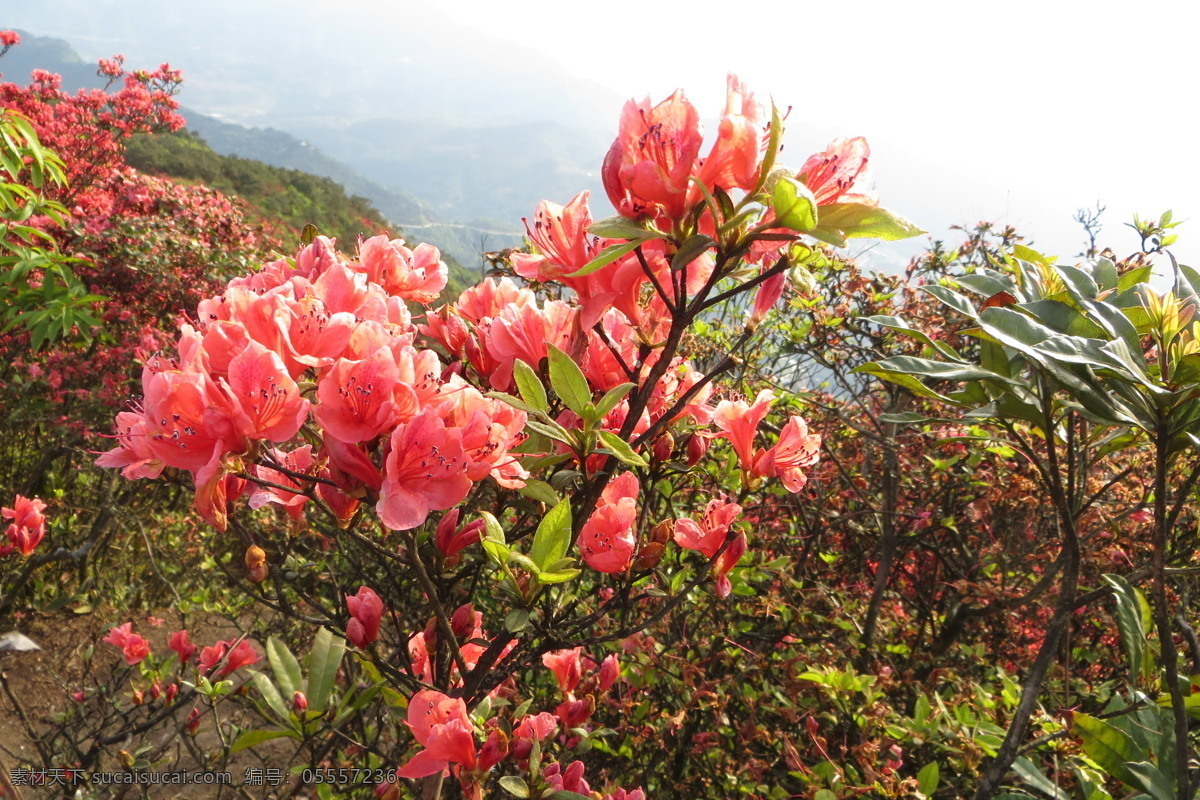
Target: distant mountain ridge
[[462, 242]]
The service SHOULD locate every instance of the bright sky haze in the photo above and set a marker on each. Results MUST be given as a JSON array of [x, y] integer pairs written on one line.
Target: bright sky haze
[[1018, 112]]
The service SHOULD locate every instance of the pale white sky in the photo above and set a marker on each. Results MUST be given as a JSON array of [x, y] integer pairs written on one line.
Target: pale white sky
[[1019, 111]]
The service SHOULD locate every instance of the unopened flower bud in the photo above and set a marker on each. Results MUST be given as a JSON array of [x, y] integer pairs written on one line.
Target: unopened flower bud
[[610, 670], [171, 691], [138, 697], [662, 532], [256, 563], [663, 446], [697, 446], [462, 621], [648, 557], [299, 702]]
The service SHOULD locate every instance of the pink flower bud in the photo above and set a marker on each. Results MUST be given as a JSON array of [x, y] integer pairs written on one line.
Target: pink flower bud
[[610, 670], [299, 702], [193, 721]]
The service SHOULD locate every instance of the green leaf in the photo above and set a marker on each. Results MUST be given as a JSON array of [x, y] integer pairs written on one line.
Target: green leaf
[[516, 620], [568, 381], [514, 786], [323, 662], [494, 542], [695, 246], [856, 221], [252, 738], [794, 205], [553, 536], [1150, 779], [621, 449], [515, 402], [284, 666], [271, 695], [927, 779], [1026, 769], [611, 399], [618, 228], [530, 386], [609, 255], [1108, 746], [1133, 622], [563, 794], [558, 576], [540, 491]]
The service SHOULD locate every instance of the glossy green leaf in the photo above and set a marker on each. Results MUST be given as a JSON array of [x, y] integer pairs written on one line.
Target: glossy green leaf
[[568, 381], [607, 256], [794, 205], [553, 536], [323, 662], [271, 695], [621, 449], [618, 228], [514, 786], [1108, 746], [284, 666], [927, 779], [257, 737], [695, 246], [540, 491], [856, 221], [611, 399], [1133, 623], [530, 386]]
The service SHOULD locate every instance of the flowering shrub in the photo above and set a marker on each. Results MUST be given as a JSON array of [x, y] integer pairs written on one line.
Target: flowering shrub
[[328, 385]]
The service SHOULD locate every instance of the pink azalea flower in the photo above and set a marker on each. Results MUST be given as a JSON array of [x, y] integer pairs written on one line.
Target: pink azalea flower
[[451, 539], [242, 655], [532, 726], [366, 612], [738, 422], [28, 523], [569, 779], [133, 646], [267, 402], [417, 275], [133, 453], [566, 666], [837, 174], [560, 233], [646, 171], [442, 726], [708, 534], [298, 460], [606, 540], [359, 400], [734, 160], [182, 645], [610, 670], [425, 471], [796, 449]]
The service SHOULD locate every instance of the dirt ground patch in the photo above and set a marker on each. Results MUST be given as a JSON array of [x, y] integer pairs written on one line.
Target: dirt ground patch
[[39, 686]]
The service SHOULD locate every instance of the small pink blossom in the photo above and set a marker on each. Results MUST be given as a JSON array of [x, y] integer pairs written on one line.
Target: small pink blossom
[[366, 612]]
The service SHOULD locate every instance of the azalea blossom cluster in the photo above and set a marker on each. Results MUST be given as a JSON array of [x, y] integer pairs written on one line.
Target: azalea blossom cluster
[[393, 424], [333, 383], [443, 727], [216, 662], [27, 527]]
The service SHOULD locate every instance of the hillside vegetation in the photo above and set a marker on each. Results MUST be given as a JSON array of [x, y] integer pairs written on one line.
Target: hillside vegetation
[[280, 196]]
